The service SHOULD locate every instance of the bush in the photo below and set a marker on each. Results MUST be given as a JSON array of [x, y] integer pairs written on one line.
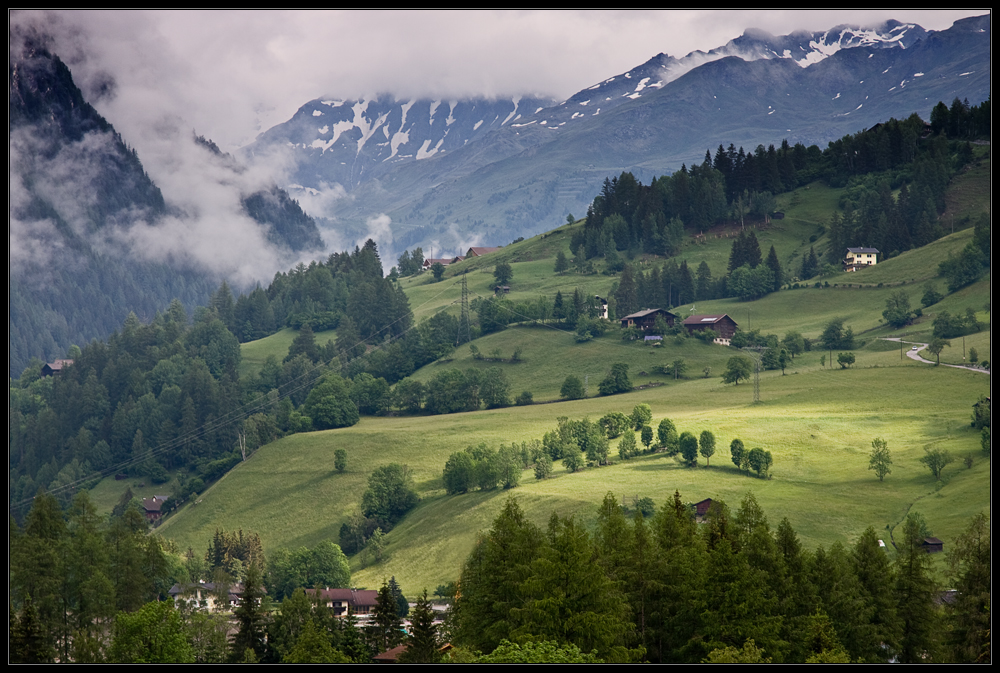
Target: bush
[[524, 399], [617, 380], [572, 388]]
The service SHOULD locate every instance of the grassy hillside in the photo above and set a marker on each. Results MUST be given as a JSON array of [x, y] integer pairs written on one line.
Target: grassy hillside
[[253, 353], [817, 421], [818, 424]]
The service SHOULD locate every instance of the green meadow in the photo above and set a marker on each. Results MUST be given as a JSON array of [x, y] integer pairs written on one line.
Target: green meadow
[[817, 420], [818, 424]]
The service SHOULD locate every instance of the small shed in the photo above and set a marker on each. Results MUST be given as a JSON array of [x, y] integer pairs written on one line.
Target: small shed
[[701, 509], [932, 545]]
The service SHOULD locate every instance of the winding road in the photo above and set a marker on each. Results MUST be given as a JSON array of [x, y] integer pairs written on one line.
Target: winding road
[[914, 354]]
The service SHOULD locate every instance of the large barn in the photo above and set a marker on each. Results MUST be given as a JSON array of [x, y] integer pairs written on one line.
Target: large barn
[[646, 318], [723, 325]]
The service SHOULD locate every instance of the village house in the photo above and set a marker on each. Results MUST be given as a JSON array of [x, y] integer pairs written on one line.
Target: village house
[[859, 258], [205, 595], [479, 252], [428, 263], [646, 318], [723, 325], [358, 602], [602, 307], [153, 507]]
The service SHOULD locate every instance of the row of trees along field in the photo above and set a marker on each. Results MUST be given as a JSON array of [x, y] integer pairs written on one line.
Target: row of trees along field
[[86, 588], [736, 185], [585, 443], [666, 589]]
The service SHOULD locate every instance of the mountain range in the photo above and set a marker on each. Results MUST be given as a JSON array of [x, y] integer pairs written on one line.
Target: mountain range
[[92, 237], [450, 174]]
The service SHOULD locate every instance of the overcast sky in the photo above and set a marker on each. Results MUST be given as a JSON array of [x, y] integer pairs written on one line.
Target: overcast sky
[[231, 75], [158, 76]]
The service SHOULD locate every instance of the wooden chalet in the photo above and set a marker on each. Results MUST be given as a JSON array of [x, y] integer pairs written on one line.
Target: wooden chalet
[[723, 325], [55, 367], [646, 318], [153, 507]]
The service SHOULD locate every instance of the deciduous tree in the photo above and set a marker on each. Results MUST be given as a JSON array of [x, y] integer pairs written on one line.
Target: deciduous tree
[[572, 388], [739, 368], [880, 460], [936, 460], [706, 446]]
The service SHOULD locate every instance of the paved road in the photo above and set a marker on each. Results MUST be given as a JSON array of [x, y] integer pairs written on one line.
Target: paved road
[[915, 355]]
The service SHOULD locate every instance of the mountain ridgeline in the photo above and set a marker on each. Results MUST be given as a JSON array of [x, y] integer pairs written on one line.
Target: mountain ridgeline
[[523, 176], [77, 191]]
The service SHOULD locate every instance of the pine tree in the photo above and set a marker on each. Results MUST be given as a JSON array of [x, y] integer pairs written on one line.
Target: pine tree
[[875, 574], [386, 626], [970, 612], [250, 617], [422, 646], [491, 576], [915, 593], [29, 643], [775, 266]]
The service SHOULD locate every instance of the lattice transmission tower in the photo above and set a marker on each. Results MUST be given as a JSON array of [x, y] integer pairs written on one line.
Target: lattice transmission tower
[[464, 326], [756, 352]]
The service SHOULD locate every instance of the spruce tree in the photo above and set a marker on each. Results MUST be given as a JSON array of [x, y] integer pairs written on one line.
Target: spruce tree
[[386, 627], [250, 617], [775, 266], [915, 594], [422, 646], [875, 574]]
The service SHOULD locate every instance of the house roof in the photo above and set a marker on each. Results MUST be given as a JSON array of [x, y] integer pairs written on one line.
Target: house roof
[[390, 655], [153, 504], [444, 261], [705, 319], [235, 589], [643, 313], [353, 597], [863, 251], [476, 252]]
